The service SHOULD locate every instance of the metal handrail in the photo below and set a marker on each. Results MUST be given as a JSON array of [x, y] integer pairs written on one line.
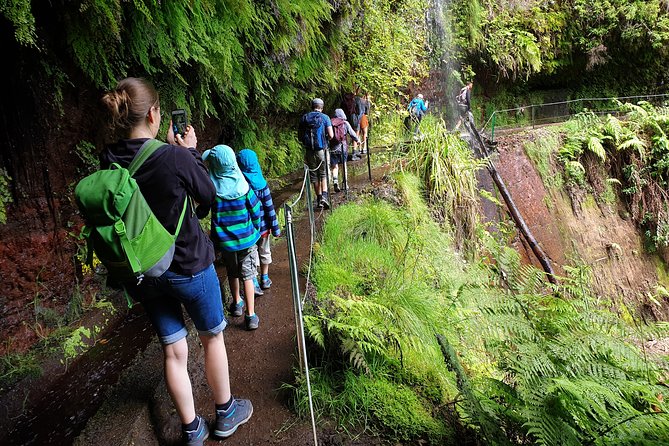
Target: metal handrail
[[569, 101]]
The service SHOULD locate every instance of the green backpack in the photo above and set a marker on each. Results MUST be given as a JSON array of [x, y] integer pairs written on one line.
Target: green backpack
[[120, 226]]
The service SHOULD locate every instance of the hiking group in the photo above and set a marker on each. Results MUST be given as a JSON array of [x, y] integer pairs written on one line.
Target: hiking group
[[325, 142], [142, 212]]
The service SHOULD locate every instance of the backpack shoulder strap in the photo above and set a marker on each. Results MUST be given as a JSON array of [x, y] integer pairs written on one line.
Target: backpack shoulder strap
[[144, 152], [181, 218]]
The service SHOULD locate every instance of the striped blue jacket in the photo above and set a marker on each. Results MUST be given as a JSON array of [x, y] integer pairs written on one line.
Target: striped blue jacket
[[268, 219], [235, 223]]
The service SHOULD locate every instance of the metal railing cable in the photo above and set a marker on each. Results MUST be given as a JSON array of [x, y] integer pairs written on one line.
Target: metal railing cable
[[298, 301], [533, 107], [304, 182]]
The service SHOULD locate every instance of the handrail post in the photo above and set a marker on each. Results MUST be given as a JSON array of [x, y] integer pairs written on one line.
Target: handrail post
[[292, 264], [533, 116], [368, 150], [494, 119], [310, 205], [297, 307]]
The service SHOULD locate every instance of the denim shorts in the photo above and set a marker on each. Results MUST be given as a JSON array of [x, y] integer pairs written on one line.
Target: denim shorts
[[200, 295], [241, 264]]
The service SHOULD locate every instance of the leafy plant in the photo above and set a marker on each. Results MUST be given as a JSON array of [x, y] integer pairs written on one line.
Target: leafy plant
[[16, 366], [5, 195], [77, 342], [85, 151], [447, 169]]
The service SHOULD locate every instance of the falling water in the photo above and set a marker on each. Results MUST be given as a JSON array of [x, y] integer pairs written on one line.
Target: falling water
[[444, 65]]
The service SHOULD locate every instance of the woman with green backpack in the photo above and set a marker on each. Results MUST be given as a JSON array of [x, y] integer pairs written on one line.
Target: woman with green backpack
[[171, 174]]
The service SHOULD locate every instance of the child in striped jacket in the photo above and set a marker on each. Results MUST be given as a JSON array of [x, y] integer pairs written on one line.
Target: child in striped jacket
[[248, 163], [235, 220]]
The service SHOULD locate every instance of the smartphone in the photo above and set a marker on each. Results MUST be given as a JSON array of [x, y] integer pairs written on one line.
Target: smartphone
[[179, 121]]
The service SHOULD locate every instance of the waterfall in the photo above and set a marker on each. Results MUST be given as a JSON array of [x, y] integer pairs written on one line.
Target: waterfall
[[445, 78]]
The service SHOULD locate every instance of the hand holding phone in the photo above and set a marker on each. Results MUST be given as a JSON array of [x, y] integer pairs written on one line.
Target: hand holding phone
[[179, 122], [188, 139]]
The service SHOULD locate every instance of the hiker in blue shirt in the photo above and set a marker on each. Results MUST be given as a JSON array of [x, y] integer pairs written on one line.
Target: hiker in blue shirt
[[235, 220], [250, 167], [315, 130], [417, 109], [172, 173]]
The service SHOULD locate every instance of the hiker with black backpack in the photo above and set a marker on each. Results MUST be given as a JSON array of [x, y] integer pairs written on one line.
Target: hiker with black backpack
[[339, 147], [314, 131], [463, 101], [417, 109], [171, 179]]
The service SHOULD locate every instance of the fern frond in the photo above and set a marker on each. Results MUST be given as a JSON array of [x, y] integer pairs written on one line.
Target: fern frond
[[613, 128], [594, 144]]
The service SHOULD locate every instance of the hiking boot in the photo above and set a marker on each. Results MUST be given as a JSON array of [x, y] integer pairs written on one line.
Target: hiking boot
[[336, 188], [237, 309], [256, 288], [324, 202], [265, 282], [239, 413], [197, 436], [252, 322]]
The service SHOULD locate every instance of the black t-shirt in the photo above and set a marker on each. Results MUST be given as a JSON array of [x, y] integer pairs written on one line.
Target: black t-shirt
[[170, 175]]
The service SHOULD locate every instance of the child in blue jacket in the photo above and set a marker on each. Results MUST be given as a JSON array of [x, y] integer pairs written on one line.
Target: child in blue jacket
[[248, 163], [235, 220]]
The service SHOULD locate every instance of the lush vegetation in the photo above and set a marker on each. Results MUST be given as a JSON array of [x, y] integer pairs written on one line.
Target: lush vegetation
[[254, 65], [417, 343], [605, 37]]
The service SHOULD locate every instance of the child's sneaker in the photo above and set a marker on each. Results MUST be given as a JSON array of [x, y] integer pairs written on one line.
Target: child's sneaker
[[256, 287], [196, 437], [265, 282], [251, 322], [237, 309], [336, 188], [239, 413]]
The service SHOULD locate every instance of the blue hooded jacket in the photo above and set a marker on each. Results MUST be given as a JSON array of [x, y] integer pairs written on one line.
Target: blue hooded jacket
[[250, 167]]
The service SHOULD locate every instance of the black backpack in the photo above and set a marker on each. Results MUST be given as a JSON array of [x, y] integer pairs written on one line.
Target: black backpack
[[312, 128]]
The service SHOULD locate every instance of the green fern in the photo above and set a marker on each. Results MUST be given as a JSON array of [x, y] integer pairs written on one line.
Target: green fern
[[594, 145], [635, 144]]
